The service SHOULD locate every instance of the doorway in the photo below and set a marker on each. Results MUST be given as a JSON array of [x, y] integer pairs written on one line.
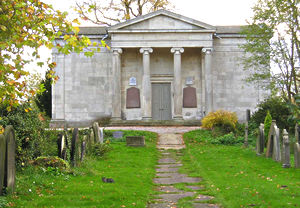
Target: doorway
[[161, 101]]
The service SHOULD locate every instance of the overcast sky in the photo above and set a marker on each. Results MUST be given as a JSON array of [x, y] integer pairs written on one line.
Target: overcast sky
[[214, 12]]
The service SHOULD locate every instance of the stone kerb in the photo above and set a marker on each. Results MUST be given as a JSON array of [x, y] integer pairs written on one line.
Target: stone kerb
[[297, 147], [2, 161], [273, 146], [10, 162], [260, 141]]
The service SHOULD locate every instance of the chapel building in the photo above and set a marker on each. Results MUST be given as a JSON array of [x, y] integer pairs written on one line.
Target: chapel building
[[161, 66]]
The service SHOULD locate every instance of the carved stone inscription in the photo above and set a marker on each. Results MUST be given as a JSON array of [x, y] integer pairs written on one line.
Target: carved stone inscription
[[133, 98], [189, 97]]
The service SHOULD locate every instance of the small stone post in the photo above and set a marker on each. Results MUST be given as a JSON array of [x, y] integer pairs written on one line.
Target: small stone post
[[74, 148], [285, 150], [83, 145], [297, 147], [2, 161], [260, 142], [246, 127]]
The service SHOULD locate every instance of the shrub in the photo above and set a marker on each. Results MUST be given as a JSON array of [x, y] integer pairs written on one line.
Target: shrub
[[53, 162], [224, 119], [267, 125], [227, 139], [99, 150], [279, 111]]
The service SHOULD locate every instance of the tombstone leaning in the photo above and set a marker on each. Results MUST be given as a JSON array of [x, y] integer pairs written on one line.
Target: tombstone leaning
[[273, 146], [97, 133], [260, 141], [2, 161], [297, 147], [10, 162], [285, 150]]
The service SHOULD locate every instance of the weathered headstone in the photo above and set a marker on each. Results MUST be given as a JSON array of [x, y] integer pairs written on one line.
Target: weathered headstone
[[90, 140], [118, 134], [285, 150], [273, 146], [297, 147], [83, 146], [260, 141], [74, 148], [135, 141], [246, 135], [97, 133], [2, 161], [101, 134], [10, 164]]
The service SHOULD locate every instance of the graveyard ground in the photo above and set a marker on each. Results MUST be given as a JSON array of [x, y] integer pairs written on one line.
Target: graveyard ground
[[131, 168], [237, 177]]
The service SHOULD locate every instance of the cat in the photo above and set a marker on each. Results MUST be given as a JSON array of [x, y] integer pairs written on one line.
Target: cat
[[107, 180]]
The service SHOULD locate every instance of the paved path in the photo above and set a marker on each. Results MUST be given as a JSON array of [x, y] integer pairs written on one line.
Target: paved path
[[167, 171]]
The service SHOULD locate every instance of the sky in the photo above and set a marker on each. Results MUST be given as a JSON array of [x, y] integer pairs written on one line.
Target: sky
[[213, 12]]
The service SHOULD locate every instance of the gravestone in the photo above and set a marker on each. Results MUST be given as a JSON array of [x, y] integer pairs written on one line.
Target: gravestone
[[118, 134], [133, 98], [62, 145], [10, 164], [83, 146], [101, 134], [285, 150], [260, 141], [97, 133], [135, 141], [297, 147], [2, 161], [74, 148], [90, 141], [273, 146]]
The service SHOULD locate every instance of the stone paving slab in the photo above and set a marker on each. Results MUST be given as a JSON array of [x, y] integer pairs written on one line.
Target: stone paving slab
[[166, 160], [203, 198], [200, 205], [166, 170], [173, 180], [174, 197], [168, 147], [168, 189], [195, 187], [170, 139], [169, 165], [160, 205]]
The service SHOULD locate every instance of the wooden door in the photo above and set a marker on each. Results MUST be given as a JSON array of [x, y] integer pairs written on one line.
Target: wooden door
[[161, 101]]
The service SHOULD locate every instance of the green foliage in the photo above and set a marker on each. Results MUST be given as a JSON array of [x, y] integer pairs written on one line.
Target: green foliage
[[224, 119], [3, 202], [267, 125], [99, 150], [227, 139], [43, 100], [272, 36], [31, 138], [51, 161]]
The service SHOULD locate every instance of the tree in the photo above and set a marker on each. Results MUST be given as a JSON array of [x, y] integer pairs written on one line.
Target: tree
[[273, 38], [43, 100], [25, 25], [115, 11]]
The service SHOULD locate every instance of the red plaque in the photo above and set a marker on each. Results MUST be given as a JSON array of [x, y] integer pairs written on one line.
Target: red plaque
[[133, 98], [189, 97]]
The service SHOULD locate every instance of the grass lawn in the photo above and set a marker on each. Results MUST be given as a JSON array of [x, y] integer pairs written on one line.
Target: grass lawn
[[131, 168], [239, 178]]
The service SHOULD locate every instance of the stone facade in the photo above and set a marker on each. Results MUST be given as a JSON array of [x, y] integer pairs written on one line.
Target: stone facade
[[160, 47]]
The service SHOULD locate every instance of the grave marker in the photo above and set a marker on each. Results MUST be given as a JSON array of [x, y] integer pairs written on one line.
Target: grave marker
[[285, 150], [260, 141], [74, 148], [83, 145], [10, 173], [97, 133], [297, 147], [118, 134], [273, 146], [2, 161], [135, 141]]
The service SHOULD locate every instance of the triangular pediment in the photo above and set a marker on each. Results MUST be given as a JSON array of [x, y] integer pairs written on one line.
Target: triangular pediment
[[162, 20]]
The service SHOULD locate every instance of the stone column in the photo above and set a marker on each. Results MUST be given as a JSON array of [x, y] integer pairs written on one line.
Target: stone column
[[146, 85], [116, 81], [177, 84], [208, 79]]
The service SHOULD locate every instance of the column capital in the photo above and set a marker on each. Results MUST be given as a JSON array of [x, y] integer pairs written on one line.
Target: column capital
[[146, 50], [207, 51], [177, 50], [117, 50]]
